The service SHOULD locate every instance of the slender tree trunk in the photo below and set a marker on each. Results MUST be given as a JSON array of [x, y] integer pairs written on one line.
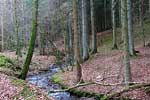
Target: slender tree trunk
[[32, 41], [141, 12], [119, 12], [70, 41], [149, 9], [122, 19], [84, 31], [114, 25], [130, 28], [127, 70], [105, 14], [18, 52], [94, 39], [2, 27], [76, 40]]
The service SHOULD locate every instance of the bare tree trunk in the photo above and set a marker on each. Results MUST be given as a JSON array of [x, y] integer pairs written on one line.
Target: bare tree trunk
[[2, 27], [84, 31], [16, 30], [105, 14], [76, 40], [127, 73], [114, 24], [70, 40], [130, 28], [94, 39], [149, 9], [122, 19], [141, 12]]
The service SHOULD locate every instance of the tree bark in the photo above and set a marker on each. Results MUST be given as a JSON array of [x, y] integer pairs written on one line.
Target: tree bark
[[32, 41], [130, 28], [84, 31], [114, 25], [127, 73], [2, 27], [141, 12], [76, 41], [94, 39], [18, 52]]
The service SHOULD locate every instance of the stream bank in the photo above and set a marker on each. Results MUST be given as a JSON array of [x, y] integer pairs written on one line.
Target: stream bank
[[44, 80]]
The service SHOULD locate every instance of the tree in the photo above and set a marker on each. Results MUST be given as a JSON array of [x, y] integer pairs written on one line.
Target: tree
[[84, 31], [130, 28], [16, 29], [32, 41], [141, 18], [94, 39], [114, 24], [127, 73], [76, 41], [2, 26], [149, 8]]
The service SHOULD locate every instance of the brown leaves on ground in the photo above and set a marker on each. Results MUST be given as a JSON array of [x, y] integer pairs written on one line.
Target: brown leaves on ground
[[8, 91], [108, 69]]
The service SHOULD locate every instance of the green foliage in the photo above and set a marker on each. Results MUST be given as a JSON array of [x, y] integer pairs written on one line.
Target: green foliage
[[6, 62], [56, 78]]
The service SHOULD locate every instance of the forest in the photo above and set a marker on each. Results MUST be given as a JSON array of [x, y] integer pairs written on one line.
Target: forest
[[74, 49]]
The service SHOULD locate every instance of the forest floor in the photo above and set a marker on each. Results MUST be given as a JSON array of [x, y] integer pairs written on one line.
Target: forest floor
[[15, 89], [108, 69], [105, 67], [12, 88]]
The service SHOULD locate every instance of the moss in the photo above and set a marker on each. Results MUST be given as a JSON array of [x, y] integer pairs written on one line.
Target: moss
[[147, 90], [18, 82], [5, 62], [58, 80]]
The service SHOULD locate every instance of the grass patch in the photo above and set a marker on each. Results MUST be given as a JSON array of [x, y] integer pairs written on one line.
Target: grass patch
[[18, 82]]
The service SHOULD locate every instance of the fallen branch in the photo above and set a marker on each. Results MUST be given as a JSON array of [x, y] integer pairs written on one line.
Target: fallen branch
[[101, 84], [76, 86], [126, 89]]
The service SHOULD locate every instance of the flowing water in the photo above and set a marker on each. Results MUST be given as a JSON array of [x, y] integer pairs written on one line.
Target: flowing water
[[43, 80]]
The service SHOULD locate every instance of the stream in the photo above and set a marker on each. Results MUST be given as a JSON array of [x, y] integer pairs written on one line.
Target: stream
[[43, 81]]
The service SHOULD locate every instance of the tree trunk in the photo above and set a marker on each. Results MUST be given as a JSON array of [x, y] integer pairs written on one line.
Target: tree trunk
[[2, 28], [70, 40], [130, 28], [32, 41], [127, 70], [76, 40], [94, 39], [18, 52], [84, 31], [122, 20], [119, 12], [149, 9], [105, 14], [114, 24], [141, 12]]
